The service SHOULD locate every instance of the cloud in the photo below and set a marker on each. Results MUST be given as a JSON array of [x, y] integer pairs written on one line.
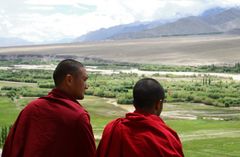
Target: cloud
[[47, 20]]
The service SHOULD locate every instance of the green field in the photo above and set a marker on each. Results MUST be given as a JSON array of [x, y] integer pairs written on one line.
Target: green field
[[204, 110], [200, 137]]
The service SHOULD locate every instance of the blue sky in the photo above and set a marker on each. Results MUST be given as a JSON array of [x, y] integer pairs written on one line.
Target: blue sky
[[49, 20]]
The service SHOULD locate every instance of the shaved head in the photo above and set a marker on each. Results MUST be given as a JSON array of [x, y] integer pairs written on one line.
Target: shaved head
[[68, 66], [147, 92]]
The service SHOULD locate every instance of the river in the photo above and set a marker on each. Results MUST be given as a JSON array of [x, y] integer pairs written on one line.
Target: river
[[235, 77]]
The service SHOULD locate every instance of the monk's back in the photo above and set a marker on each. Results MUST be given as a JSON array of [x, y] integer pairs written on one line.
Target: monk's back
[[139, 135], [148, 135], [57, 112], [51, 126], [55, 125]]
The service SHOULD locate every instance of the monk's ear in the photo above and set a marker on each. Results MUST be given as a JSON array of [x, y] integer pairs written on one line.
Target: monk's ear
[[69, 79], [158, 107]]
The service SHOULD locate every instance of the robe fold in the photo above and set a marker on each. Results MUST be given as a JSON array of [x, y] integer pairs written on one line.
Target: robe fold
[[52, 126], [139, 135]]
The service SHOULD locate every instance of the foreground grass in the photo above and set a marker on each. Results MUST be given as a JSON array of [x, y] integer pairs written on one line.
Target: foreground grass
[[208, 138], [224, 147], [8, 111]]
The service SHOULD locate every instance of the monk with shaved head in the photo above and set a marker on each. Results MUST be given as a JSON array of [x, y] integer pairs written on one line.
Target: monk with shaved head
[[55, 125], [141, 133]]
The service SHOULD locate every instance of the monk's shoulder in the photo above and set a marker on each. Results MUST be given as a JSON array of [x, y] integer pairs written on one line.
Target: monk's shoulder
[[28, 111], [83, 116], [171, 132], [169, 129], [68, 110], [114, 124], [31, 105]]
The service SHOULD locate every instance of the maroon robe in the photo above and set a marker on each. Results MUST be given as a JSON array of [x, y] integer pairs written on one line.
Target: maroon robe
[[52, 126], [139, 135]]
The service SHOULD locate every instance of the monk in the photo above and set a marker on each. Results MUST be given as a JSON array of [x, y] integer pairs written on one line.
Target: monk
[[141, 133], [55, 125]]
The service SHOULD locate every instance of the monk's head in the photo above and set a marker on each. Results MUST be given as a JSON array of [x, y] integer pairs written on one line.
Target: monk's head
[[148, 96], [70, 76]]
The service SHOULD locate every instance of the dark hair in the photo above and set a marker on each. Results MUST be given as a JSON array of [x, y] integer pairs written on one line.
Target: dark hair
[[67, 66], [147, 92]]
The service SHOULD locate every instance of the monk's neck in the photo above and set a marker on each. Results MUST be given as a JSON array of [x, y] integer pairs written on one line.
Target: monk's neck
[[145, 111], [65, 92]]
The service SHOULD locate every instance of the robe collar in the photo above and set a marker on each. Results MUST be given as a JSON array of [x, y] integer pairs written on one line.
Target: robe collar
[[56, 92]]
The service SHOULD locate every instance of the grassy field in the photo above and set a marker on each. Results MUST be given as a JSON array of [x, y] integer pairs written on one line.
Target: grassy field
[[8, 111], [205, 130], [16, 84], [210, 138]]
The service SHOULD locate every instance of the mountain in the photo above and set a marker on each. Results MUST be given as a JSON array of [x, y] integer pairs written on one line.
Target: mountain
[[185, 26], [234, 32], [6, 42], [103, 33], [212, 11], [222, 17], [109, 33], [225, 20], [233, 24], [212, 21]]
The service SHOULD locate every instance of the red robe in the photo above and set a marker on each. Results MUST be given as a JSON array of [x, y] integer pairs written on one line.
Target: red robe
[[52, 126], [139, 135]]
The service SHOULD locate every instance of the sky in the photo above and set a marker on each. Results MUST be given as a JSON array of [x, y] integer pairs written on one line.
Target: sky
[[50, 20]]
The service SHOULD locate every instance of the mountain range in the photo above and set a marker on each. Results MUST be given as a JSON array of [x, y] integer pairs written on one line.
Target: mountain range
[[212, 21]]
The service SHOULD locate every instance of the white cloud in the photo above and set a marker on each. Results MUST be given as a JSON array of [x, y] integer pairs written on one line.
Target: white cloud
[[41, 8], [45, 20], [51, 2]]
